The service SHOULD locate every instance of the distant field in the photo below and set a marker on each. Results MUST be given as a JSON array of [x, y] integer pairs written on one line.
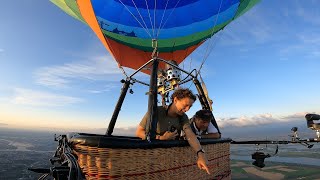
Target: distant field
[[20, 150], [244, 170], [305, 154]]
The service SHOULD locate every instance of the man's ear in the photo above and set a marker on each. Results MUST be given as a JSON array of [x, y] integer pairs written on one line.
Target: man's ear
[[175, 99]]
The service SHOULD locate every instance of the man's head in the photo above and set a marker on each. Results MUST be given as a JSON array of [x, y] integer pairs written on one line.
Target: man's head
[[182, 100], [202, 119]]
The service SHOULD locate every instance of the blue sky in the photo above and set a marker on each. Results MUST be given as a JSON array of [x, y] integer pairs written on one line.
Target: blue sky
[[55, 73]]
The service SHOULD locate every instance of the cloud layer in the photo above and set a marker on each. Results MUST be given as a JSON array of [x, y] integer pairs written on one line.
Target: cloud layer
[[101, 68], [39, 98], [260, 26], [3, 124], [258, 120], [227, 123]]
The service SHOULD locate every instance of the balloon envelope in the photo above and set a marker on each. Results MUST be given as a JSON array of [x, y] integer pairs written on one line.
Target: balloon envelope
[[127, 28]]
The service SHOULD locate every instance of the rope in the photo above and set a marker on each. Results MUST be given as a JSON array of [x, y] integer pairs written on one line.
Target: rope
[[154, 13], [164, 12], [111, 48], [190, 70], [43, 177], [211, 40], [123, 71], [135, 18], [204, 60], [150, 18], [144, 26], [119, 65], [182, 74], [140, 15], [160, 28]]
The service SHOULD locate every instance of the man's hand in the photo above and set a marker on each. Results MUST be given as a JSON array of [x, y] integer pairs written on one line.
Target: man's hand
[[202, 162], [169, 135]]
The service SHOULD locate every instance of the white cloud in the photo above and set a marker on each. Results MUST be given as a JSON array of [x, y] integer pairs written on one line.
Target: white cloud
[[247, 121], [3, 124], [307, 45], [308, 15], [122, 131], [101, 68], [128, 131], [261, 119], [300, 115], [40, 98], [315, 53], [310, 38], [106, 88], [294, 48], [261, 25], [253, 25]]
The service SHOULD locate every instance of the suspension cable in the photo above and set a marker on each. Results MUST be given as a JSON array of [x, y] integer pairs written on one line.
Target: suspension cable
[[154, 13], [164, 12], [145, 28], [190, 64], [160, 28], [140, 14], [122, 70], [212, 47], [119, 65], [150, 18], [210, 41]]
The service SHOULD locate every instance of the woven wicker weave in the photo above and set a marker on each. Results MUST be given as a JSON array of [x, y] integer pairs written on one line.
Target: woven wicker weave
[[156, 163]]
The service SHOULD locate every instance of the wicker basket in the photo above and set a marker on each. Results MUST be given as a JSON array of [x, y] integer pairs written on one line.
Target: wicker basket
[[152, 163]]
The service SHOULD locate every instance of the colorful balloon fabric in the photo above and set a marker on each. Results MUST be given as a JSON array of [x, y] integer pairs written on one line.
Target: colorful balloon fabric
[[127, 28]]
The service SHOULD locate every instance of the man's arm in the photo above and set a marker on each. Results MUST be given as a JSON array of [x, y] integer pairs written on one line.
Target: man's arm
[[141, 129], [195, 144], [141, 132]]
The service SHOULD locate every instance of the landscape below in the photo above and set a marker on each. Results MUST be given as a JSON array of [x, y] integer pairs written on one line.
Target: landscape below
[[21, 149]]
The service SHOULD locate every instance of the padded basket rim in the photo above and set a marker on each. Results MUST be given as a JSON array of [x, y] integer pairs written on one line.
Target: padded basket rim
[[127, 142]]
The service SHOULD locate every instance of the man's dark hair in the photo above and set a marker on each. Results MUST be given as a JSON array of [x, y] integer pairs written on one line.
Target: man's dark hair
[[183, 93], [203, 114]]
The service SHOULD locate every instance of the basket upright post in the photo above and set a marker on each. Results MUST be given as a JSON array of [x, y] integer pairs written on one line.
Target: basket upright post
[[204, 101], [152, 102], [117, 109], [202, 98]]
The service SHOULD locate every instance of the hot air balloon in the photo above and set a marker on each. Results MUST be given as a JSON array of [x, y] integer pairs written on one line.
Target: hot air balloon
[[153, 37], [174, 27]]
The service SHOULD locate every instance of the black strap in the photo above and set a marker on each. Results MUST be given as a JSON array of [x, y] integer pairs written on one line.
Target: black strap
[[201, 150]]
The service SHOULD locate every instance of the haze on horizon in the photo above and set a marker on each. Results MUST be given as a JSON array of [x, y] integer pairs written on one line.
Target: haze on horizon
[[55, 73]]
